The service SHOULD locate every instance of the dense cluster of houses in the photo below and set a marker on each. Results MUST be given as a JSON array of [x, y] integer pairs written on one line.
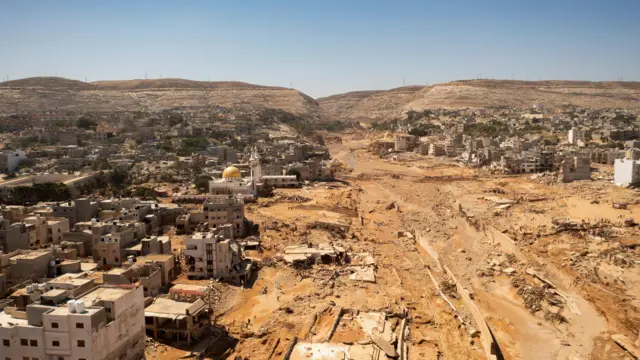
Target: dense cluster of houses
[[565, 141]]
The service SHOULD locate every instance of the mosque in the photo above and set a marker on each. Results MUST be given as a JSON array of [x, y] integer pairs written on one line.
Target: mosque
[[232, 182]]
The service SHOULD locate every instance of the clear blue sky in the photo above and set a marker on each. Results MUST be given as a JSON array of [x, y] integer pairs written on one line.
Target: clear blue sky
[[322, 47]]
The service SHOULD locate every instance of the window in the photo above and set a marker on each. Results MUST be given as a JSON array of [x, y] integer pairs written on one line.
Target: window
[[6, 342], [80, 343], [34, 342], [24, 342], [55, 343], [54, 325], [79, 325]]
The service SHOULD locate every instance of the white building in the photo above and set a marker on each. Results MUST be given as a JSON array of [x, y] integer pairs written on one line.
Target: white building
[[10, 159], [232, 183], [626, 172], [105, 324], [577, 136]]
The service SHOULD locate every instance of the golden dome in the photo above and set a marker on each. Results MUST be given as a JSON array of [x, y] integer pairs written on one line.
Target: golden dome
[[231, 172]]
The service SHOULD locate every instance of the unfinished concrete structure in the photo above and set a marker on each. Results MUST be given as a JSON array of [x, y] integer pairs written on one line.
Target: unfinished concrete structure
[[183, 316], [575, 168]]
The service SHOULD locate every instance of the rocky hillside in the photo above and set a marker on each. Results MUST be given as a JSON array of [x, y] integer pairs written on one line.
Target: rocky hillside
[[47, 93], [384, 105]]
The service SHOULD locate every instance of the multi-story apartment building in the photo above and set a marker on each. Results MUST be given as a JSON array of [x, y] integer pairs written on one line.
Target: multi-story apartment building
[[222, 210], [104, 324], [216, 255]]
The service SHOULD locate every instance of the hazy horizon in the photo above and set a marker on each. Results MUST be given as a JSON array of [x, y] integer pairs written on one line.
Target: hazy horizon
[[322, 48]]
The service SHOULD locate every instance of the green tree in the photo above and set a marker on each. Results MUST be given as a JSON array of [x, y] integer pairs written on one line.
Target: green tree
[[86, 123], [202, 183]]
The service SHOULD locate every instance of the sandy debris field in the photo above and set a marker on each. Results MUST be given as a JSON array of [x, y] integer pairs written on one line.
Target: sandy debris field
[[437, 261]]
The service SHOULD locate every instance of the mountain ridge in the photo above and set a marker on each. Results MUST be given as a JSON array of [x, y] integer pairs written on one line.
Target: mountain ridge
[[388, 104]]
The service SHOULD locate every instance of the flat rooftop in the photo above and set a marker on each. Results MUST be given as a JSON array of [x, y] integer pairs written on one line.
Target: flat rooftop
[[163, 257], [104, 293], [63, 311], [189, 289], [31, 255], [162, 307], [7, 320], [88, 266], [117, 271]]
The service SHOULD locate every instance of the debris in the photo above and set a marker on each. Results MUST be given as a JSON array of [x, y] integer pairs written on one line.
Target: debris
[[620, 205], [626, 344]]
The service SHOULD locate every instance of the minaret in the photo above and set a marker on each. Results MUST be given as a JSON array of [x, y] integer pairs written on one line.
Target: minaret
[[256, 170]]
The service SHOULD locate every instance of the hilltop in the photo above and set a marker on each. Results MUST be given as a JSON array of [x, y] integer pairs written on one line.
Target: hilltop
[[387, 104], [49, 93]]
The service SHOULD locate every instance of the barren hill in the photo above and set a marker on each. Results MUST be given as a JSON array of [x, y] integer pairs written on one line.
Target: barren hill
[[49, 93], [382, 105]]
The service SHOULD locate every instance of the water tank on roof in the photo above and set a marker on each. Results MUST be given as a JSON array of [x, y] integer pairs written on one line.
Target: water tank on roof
[[29, 289], [52, 263], [80, 306], [130, 259], [71, 306], [42, 287]]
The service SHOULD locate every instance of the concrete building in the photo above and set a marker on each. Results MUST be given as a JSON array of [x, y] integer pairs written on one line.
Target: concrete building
[[111, 241], [155, 245], [576, 136], [436, 149], [183, 316], [15, 236], [68, 138], [25, 265], [280, 181], [216, 255], [105, 324], [223, 154], [574, 168], [626, 172], [48, 230], [224, 210], [68, 163], [400, 143], [78, 210], [10, 159]]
